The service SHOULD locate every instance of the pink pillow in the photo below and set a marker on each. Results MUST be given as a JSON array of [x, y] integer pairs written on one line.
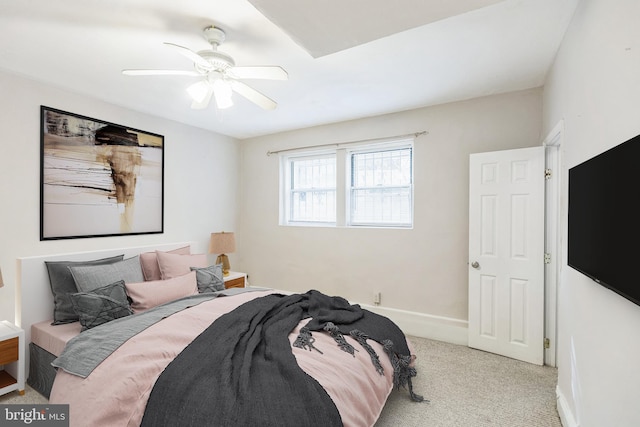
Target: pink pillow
[[149, 262], [148, 294], [173, 265]]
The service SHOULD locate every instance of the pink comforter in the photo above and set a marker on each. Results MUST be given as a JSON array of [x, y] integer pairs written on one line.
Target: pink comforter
[[116, 392]]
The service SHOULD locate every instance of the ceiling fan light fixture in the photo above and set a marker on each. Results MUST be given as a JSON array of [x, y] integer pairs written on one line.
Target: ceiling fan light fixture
[[198, 91], [223, 94]]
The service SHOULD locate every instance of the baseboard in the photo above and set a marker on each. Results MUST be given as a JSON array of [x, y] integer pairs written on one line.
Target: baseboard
[[421, 325], [566, 416]]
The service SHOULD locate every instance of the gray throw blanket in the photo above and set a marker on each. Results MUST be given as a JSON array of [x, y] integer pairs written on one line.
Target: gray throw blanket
[[87, 350], [241, 371]]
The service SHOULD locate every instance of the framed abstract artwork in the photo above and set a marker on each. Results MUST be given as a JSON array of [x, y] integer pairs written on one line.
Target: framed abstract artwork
[[97, 178]]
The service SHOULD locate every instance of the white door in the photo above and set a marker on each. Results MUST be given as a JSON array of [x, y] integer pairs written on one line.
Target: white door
[[506, 253]]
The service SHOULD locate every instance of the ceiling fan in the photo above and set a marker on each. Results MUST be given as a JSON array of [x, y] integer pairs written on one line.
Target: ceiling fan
[[219, 75]]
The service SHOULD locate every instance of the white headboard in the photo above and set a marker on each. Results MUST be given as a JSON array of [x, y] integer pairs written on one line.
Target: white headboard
[[34, 300]]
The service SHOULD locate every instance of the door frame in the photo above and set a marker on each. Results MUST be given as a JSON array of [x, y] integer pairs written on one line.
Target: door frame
[[553, 238]]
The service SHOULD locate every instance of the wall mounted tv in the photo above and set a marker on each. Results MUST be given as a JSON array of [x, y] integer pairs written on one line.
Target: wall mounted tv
[[604, 219]]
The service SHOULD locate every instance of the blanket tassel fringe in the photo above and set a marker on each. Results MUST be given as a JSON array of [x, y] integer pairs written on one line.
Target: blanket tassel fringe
[[402, 371], [362, 338], [305, 341], [339, 338]]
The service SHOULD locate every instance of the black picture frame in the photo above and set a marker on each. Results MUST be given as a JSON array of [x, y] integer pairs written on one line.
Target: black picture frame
[[98, 179]]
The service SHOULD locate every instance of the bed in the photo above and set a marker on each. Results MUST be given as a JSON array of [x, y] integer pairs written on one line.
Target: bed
[[239, 356]]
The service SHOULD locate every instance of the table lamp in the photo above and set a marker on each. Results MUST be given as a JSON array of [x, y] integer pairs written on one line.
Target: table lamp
[[222, 243]]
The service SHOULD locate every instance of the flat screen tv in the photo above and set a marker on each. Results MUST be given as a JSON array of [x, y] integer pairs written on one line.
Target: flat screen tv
[[604, 219]]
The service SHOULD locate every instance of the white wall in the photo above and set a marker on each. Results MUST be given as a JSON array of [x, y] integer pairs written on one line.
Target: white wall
[[423, 270], [594, 85], [196, 162]]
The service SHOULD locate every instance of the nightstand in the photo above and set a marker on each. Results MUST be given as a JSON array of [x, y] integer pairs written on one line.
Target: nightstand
[[235, 280], [12, 357]]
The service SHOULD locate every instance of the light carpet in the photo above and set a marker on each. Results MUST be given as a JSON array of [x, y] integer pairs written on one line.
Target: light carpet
[[472, 388]]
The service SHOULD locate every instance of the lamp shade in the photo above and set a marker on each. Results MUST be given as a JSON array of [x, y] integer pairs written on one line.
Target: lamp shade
[[222, 243], [1, 281], [198, 91]]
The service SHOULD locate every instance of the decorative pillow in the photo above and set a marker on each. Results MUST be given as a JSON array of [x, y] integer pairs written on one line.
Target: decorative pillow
[[149, 262], [101, 305], [88, 278], [63, 285], [173, 265], [210, 279], [151, 293]]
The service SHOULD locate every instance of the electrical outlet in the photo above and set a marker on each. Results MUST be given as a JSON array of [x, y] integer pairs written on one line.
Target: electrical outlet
[[377, 297]]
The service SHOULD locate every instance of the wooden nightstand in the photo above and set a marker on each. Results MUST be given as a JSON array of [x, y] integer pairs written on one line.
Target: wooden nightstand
[[12, 357], [235, 280]]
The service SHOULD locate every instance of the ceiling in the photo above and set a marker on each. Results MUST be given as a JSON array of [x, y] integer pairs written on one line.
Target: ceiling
[[345, 59]]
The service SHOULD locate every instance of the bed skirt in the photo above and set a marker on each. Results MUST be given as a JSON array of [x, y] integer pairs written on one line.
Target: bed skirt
[[41, 373]]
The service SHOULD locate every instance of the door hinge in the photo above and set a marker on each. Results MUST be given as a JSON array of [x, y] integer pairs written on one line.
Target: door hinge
[[547, 174], [547, 343], [547, 258]]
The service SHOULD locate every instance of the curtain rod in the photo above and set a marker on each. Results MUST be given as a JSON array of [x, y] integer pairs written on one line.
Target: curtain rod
[[338, 144]]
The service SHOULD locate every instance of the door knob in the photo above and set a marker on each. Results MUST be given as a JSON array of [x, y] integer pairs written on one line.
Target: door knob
[[475, 264]]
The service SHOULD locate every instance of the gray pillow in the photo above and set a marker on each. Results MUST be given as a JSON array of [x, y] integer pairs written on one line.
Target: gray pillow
[[101, 305], [62, 285], [209, 279], [88, 278]]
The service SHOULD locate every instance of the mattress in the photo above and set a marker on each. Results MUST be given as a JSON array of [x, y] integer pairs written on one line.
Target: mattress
[[53, 338]]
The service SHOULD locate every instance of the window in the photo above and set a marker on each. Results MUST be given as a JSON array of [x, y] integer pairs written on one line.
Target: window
[[311, 189], [381, 187], [364, 185]]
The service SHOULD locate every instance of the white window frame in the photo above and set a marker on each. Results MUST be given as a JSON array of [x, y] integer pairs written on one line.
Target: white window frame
[[375, 148], [343, 183], [286, 187]]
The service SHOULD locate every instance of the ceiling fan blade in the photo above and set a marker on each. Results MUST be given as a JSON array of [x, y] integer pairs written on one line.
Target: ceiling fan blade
[[191, 55], [259, 72], [160, 73], [253, 95]]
